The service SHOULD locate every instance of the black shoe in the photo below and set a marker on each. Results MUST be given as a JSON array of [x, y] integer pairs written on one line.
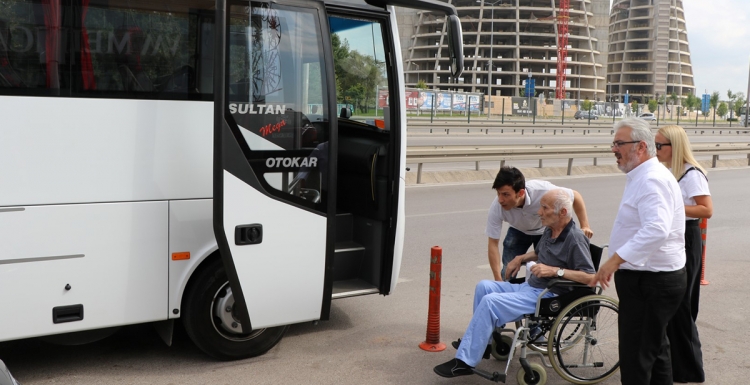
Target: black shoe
[[485, 355], [453, 368]]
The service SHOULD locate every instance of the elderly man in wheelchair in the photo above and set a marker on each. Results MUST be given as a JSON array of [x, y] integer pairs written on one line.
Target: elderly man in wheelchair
[[555, 313]]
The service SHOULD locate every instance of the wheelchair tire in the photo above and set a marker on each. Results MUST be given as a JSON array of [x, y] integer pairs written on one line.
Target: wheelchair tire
[[501, 350], [539, 372], [592, 356]]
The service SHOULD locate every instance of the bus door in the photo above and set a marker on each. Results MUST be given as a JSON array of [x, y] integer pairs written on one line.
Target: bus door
[[273, 145]]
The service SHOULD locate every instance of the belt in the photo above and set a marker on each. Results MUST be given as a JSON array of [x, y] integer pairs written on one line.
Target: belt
[[693, 222], [643, 272]]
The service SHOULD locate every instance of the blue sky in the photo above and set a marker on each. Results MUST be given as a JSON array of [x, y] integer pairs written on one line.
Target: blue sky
[[719, 37]]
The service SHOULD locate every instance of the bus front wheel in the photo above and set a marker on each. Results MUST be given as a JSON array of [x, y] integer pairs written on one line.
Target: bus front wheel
[[209, 318]]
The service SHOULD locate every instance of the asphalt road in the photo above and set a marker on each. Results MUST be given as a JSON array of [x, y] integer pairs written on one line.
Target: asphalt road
[[373, 339]]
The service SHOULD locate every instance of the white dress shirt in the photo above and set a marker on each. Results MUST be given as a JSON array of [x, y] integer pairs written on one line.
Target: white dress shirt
[[524, 219], [649, 230]]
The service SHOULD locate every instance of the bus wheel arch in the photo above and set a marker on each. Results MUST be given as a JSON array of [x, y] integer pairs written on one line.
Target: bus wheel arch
[[207, 317]]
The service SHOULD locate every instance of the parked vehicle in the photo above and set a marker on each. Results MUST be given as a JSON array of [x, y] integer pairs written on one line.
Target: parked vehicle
[[647, 116], [581, 114]]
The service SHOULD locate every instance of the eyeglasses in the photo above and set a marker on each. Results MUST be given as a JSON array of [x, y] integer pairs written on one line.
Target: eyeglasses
[[658, 145], [619, 143]]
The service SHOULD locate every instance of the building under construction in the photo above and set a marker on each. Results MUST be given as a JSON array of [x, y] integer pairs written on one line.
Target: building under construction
[[648, 50], [507, 42]]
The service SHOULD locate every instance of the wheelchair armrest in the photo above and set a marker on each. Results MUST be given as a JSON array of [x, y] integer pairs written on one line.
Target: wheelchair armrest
[[565, 282]]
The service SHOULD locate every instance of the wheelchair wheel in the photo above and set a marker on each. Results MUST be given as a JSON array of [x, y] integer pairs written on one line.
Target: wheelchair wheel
[[501, 349], [540, 375], [584, 344], [570, 339]]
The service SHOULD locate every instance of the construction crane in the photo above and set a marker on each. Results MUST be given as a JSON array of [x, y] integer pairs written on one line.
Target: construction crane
[[563, 17]]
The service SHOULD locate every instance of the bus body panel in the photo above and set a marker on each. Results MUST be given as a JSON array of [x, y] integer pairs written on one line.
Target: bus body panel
[[190, 230], [293, 242], [75, 150], [112, 256]]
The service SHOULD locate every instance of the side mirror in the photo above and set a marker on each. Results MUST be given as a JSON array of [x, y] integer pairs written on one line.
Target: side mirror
[[455, 46], [346, 113]]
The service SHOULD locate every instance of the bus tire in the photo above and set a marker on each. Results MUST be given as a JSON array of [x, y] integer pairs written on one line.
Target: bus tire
[[220, 335]]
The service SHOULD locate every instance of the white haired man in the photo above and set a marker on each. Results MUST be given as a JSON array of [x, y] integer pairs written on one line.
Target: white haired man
[[562, 252], [647, 256]]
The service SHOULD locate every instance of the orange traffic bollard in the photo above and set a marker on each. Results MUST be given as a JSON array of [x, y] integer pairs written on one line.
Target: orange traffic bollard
[[432, 342], [704, 228]]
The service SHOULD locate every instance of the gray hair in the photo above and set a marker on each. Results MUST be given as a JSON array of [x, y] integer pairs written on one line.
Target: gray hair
[[640, 131], [562, 201]]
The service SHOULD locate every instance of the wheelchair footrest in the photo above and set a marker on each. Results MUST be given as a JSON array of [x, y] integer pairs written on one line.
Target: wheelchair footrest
[[494, 376]]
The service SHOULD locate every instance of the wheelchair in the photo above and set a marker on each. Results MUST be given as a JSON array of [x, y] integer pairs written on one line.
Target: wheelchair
[[575, 333]]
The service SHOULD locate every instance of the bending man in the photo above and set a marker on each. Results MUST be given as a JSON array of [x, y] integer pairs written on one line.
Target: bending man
[[562, 252], [517, 203]]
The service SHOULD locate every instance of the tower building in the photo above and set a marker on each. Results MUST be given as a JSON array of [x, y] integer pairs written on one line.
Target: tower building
[[649, 55]]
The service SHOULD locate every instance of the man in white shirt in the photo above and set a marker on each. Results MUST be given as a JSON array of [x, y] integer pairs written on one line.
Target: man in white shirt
[[517, 203], [647, 256]]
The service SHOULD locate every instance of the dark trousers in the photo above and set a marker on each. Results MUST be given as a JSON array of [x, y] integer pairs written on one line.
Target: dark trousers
[[685, 345], [516, 243], [647, 302]]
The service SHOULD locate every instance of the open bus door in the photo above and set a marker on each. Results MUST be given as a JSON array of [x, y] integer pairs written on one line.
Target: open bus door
[[271, 161], [308, 200]]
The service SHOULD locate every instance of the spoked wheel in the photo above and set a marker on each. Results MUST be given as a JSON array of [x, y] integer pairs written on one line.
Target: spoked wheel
[[541, 343], [537, 377], [592, 356], [209, 317], [501, 349]]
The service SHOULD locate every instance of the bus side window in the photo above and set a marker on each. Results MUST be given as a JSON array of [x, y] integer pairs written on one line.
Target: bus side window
[[32, 55], [162, 51]]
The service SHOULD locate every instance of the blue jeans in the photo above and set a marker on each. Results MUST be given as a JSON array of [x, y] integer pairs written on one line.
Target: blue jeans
[[516, 243]]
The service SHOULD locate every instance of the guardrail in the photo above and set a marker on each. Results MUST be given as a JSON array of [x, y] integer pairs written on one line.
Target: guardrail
[[459, 154]]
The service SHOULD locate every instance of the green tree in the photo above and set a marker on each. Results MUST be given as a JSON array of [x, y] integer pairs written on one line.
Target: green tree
[[731, 97], [421, 84], [586, 105], [690, 102], [357, 75], [723, 109], [739, 102], [652, 105], [714, 102], [674, 99], [634, 107]]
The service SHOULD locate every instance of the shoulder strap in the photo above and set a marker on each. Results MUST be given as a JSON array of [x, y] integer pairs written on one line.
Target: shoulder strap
[[690, 169]]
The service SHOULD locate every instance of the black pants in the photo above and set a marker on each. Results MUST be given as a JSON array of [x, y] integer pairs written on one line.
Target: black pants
[[647, 302], [685, 345]]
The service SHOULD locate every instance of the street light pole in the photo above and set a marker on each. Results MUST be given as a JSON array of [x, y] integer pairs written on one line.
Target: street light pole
[[747, 102]]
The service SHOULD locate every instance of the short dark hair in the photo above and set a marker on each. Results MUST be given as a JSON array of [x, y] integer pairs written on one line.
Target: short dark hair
[[509, 176]]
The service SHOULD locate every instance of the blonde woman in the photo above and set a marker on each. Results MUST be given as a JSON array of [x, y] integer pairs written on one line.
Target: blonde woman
[[673, 149]]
